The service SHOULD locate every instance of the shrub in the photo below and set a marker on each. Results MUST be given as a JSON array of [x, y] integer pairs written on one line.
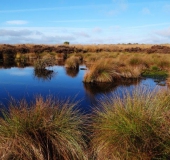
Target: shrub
[[66, 43], [135, 126], [45, 130]]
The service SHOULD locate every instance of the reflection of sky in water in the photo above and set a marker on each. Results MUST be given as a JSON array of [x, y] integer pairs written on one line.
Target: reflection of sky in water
[[20, 73], [22, 83]]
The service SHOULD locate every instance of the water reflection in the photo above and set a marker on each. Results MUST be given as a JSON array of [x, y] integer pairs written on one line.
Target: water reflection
[[27, 82], [104, 88], [60, 62], [44, 74], [72, 72], [9, 63]]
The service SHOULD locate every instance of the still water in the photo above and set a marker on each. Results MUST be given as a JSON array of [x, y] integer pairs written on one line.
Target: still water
[[25, 83]]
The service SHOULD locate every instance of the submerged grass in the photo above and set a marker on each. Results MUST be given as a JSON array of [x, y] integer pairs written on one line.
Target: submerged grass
[[45, 130], [133, 127]]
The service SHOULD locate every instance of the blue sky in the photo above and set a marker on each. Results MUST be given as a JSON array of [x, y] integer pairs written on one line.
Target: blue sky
[[85, 21]]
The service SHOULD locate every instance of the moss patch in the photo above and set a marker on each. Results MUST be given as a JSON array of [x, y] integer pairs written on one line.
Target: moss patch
[[155, 73]]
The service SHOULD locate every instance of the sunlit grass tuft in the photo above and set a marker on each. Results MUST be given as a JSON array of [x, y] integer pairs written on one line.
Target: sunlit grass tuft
[[41, 64], [130, 72], [101, 71], [45, 130], [72, 62], [132, 127]]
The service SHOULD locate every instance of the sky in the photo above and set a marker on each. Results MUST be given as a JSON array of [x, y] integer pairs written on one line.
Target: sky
[[85, 21]]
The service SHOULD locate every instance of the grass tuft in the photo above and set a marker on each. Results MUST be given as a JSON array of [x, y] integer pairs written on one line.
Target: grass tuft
[[133, 127], [41, 64], [72, 62], [45, 130], [101, 71]]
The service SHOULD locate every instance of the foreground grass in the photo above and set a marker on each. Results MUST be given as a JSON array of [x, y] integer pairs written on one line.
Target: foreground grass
[[135, 127], [46, 130]]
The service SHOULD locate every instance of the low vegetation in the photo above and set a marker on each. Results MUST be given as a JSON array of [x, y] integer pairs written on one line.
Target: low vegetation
[[101, 71], [46, 130], [106, 70], [133, 60], [155, 72], [41, 64], [72, 62], [133, 127]]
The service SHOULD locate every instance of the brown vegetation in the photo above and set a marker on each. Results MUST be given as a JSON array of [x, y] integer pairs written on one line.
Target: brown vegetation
[[132, 48]]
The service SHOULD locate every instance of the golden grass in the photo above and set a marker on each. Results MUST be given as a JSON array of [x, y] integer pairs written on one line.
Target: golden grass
[[46, 61], [133, 127], [72, 62], [45, 130], [101, 71]]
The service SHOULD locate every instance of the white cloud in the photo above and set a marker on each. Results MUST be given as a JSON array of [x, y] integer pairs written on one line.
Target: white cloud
[[16, 22], [149, 25], [146, 11], [20, 73], [17, 33], [118, 7], [166, 8], [50, 9], [123, 4], [97, 30], [36, 35], [55, 35], [80, 20], [164, 33], [114, 28], [82, 34]]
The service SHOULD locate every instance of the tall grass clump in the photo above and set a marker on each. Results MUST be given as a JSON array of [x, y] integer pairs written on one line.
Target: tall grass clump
[[41, 64], [72, 62], [45, 130], [135, 126], [130, 72], [101, 71], [138, 61]]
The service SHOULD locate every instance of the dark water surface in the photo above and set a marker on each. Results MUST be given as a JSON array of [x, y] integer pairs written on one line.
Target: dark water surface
[[25, 83]]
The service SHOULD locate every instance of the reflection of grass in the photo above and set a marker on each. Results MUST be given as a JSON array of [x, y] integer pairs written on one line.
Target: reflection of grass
[[72, 72], [98, 88], [103, 88], [44, 74], [133, 127], [46, 130]]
